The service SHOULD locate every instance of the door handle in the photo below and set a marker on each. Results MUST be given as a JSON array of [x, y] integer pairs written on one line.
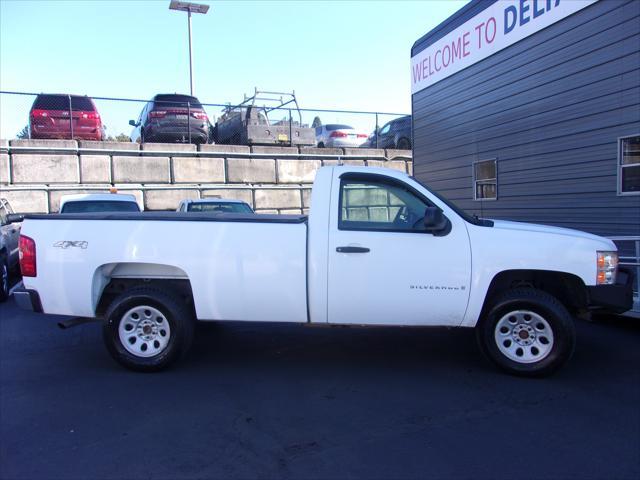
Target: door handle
[[352, 249]]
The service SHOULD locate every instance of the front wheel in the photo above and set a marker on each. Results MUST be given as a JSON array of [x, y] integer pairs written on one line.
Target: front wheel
[[527, 332], [147, 329]]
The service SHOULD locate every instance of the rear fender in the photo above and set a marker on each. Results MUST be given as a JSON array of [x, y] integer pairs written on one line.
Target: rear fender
[[131, 270]]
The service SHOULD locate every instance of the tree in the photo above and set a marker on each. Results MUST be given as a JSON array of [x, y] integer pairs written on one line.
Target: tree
[[316, 122], [24, 133], [121, 137]]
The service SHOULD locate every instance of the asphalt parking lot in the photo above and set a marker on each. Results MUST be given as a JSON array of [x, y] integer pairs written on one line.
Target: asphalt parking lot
[[282, 401]]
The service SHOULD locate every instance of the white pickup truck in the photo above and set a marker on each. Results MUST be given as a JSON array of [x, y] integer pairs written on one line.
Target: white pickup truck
[[378, 248]]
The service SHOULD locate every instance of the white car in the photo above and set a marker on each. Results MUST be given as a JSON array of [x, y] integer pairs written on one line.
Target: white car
[[98, 202], [336, 135], [378, 248], [218, 205]]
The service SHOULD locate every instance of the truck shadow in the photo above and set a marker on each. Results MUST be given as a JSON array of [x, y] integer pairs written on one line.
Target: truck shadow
[[439, 351], [628, 323], [333, 347]]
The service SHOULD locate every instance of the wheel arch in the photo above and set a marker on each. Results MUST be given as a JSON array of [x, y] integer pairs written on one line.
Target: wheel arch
[[568, 288], [111, 279]]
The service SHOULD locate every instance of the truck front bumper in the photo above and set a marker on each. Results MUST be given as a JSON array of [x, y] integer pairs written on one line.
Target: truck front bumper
[[616, 298], [28, 300]]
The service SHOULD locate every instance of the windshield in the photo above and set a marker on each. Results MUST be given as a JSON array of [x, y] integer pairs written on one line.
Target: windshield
[[176, 101], [99, 206], [469, 218], [338, 127], [61, 102], [220, 207]]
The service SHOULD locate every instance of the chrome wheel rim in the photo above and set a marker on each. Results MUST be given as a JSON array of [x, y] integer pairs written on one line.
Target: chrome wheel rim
[[524, 336], [144, 331]]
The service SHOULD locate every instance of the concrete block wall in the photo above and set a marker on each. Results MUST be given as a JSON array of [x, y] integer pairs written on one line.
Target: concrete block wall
[[34, 174]]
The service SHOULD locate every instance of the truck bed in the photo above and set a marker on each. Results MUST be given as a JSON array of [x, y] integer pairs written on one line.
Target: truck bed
[[239, 266]]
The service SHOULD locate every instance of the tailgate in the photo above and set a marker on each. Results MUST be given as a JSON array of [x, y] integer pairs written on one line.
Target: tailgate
[[280, 134]]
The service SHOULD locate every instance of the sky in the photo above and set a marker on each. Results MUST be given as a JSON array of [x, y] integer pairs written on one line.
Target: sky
[[345, 55]]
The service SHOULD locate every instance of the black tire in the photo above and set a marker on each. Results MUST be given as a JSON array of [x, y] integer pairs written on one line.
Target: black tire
[[4, 279], [404, 144], [538, 304], [176, 313], [321, 145]]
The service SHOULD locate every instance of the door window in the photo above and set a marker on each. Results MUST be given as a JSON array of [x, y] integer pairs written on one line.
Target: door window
[[385, 129], [379, 205], [143, 113]]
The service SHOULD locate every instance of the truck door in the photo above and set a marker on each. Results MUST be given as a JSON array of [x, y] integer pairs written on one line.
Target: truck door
[[384, 268]]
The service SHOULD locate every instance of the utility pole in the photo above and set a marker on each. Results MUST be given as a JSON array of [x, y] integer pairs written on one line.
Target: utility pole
[[189, 8]]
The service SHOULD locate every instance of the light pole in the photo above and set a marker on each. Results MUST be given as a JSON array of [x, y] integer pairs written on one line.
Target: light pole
[[189, 8]]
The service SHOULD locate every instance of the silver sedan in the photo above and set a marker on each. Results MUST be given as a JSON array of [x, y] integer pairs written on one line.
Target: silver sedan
[[337, 135]]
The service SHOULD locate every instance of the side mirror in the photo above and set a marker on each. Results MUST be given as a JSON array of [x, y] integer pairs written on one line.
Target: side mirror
[[133, 123], [435, 221], [13, 218]]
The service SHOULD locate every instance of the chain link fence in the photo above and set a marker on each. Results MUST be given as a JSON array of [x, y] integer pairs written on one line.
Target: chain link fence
[[264, 118]]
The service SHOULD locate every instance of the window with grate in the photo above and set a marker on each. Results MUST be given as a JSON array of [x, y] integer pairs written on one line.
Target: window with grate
[[485, 180], [629, 165]]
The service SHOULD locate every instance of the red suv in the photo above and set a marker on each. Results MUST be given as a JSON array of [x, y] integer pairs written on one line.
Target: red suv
[[66, 117]]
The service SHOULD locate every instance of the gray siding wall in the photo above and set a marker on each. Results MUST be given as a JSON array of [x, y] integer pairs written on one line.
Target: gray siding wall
[[550, 110]]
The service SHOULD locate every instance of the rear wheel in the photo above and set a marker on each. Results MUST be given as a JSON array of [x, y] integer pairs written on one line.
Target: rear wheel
[[147, 329], [527, 332], [321, 145], [4, 279], [404, 144]]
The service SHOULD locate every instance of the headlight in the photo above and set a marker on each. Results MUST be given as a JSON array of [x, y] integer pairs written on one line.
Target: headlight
[[607, 268]]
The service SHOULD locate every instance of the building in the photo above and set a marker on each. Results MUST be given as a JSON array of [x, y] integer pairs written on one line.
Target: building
[[530, 110]]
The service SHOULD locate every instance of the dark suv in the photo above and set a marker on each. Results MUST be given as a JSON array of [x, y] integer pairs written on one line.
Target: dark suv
[[172, 118], [65, 117], [393, 134]]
